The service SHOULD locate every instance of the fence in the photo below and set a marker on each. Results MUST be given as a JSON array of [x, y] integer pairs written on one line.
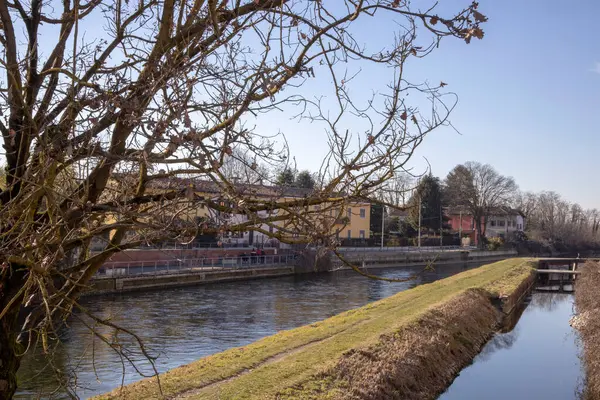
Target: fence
[[192, 246], [124, 268], [406, 249]]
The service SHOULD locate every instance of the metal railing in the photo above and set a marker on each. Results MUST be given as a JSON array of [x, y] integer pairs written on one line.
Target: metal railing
[[205, 264], [193, 246], [406, 249]]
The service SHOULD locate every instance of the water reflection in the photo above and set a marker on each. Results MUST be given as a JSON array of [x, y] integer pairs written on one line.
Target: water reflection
[[182, 325], [538, 359]]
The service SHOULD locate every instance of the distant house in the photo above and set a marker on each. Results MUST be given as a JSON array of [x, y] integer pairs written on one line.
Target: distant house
[[502, 222], [400, 214]]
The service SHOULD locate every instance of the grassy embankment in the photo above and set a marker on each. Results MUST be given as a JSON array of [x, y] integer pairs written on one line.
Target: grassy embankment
[[427, 333], [587, 322]]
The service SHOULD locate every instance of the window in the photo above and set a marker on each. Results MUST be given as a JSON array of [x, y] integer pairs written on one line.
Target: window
[[349, 212], [493, 222], [349, 234], [501, 223], [362, 234], [363, 213]]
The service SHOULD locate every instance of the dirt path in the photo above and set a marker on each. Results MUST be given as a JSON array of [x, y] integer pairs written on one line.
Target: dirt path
[[272, 359]]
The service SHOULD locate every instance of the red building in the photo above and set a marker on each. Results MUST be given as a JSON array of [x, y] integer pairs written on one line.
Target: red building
[[462, 222], [501, 222]]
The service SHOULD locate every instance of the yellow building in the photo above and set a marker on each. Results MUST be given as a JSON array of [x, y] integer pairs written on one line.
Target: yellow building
[[358, 226], [343, 219]]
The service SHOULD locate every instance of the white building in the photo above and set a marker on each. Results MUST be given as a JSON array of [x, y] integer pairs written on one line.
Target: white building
[[503, 222]]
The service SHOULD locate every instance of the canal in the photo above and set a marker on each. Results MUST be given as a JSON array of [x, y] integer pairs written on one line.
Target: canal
[[537, 359], [181, 325]]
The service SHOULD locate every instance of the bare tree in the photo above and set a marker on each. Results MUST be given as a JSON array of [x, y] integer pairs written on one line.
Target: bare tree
[[479, 188], [526, 203], [555, 221], [397, 190], [242, 167], [137, 103]]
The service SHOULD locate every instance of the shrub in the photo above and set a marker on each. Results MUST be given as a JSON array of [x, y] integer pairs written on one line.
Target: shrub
[[495, 243]]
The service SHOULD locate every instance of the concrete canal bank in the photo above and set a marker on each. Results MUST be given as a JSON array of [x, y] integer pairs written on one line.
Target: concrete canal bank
[[198, 275], [188, 278], [410, 345]]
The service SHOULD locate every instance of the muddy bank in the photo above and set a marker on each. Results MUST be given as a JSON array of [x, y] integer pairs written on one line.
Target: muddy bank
[[587, 322], [417, 362], [407, 346], [422, 359]]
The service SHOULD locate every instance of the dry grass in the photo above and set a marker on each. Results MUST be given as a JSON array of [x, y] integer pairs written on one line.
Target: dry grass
[[587, 322], [300, 357], [417, 362]]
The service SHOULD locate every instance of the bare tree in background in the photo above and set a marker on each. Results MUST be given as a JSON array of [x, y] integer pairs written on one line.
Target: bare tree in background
[[478, 188], [241, 167], [135, 102], [397, 190], [526, 203], [554, 221]]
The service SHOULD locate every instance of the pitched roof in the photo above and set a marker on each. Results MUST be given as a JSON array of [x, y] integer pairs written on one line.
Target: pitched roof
[[495, 211], [398, 213], [211, 187], [208, 186]]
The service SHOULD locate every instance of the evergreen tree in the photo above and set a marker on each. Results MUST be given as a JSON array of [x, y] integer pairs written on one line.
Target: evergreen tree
[[286, 177], [429, 196], [304, 179]]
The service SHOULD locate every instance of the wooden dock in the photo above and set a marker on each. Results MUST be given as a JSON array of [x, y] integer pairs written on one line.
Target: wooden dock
[[558, 274], [557, 271]]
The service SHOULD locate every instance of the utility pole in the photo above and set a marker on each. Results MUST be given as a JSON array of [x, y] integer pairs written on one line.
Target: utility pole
[[460, 229], [441, 227], [382, 223], [419, 243]]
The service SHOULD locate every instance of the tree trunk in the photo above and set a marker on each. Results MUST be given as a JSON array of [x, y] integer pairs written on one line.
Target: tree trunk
[[9, 348], [9, 361], [480, 232]]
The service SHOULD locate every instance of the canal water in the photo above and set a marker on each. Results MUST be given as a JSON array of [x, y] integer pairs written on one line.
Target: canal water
[[537, 359], [181, 325]]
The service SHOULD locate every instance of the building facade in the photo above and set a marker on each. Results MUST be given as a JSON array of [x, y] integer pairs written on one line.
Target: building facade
[[350, 221], [502, 222]]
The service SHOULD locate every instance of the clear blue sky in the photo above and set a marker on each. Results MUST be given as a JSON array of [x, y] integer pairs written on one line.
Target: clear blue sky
[[529, 93], [528, 96]]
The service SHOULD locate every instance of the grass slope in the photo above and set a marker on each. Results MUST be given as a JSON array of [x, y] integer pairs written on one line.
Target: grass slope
[[291, 358]]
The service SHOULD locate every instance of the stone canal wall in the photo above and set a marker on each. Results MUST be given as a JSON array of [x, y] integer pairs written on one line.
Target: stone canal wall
[[304, 264], [415, 258], [161, 281], [410, 345]]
